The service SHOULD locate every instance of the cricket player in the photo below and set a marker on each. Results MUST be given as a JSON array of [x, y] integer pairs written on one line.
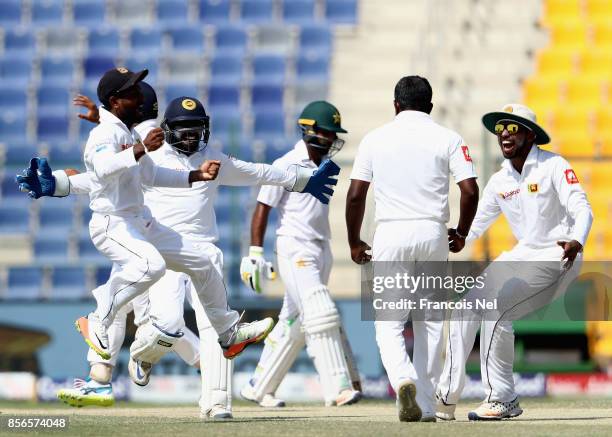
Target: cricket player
[[309, 315], [409, 161], [190, 212], [549, 214]]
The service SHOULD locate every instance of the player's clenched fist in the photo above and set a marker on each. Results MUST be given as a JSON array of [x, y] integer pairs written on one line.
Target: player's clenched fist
[[208, 171], [154, 139]]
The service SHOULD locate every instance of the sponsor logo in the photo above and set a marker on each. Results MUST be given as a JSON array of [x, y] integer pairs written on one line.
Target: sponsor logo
[[570, 176], [532, 188], [509, 194], [466, 153], [164, 343]]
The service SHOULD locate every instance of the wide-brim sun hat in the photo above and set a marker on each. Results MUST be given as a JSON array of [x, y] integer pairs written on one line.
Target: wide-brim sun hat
[[520, 114]]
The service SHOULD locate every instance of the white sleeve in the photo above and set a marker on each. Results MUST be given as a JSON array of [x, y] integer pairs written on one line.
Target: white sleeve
[[80, 183], [155, 176], [573, 198], [487, 212], [362, 166], [107, 158], [239, 173], [460, 162]]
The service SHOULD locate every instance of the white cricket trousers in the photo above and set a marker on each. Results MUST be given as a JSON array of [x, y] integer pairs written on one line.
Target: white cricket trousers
[[143, 248], [522, 280], [411, 241]]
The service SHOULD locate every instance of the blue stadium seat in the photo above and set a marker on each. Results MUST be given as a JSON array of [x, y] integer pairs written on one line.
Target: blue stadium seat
[[131, 13], [231, 39], [172, 12], [88, 252], [13, 126], [175, 91], [95, 66], [102, 274], [225, 125], [269, 125], [15, 218], [103, 41], [65, 156], [10, 190], [69, 283], [53, 100], [278, 146], [13, 100], [299, 11], [52, 128], [89, 12], [308, 91], [187, 39], [18, 155], [10, 13], [256, 11], [19, 42], [57, 71], [273, 39], [341, 11], [266, 96], [141, 62], [24, 282], [269, 69], [310, 67], [223, 97], [215, 11], [146, 41], [316, 39], [47, 12], [184, 68], [15, 71], [56, 218], [51, 249], [226, 69]]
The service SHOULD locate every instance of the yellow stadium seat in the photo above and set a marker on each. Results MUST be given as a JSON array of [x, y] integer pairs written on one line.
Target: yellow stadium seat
[[605, 145], [540, 93], [585, 93], [571, 119], [573, 144], [601, 179], [603, 121], [583, 170], [598, 10], [556, 11], [553, 62], [596, 62], [572, 35], [602, 34]]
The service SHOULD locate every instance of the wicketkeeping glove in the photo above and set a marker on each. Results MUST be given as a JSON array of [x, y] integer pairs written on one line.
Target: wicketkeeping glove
[[254, 267], [319, 183], [39, 181]]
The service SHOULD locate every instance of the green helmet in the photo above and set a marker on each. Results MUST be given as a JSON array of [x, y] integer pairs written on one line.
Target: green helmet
[[317, 117]]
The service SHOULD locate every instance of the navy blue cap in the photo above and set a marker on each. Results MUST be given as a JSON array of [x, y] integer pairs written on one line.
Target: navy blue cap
[[149, 104]]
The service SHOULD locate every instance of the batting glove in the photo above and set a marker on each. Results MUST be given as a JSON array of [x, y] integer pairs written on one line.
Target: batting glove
[[319, 183], [39, 181], [254, 267]]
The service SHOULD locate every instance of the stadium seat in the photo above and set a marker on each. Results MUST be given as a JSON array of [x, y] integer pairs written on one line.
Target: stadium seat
[[190, 39], [10, 190], [299, 11], [46, 12], [341, 11], [310, 67], [598, 10], [56, 219], [539, 92], [146, 41], [575, 144], [230, 39], [89, 12], [277, 147], [226, 69], [15, 71], [18, 155], [24, 283], [13, 100], [65, 156], [561, 62], [141, 62], [585, 93], [102, 274], [174, 91], [184, 68], [56, 71], [88, 252], [273, 39], [225, 125], [306, 92], [52, 128], [569, 36], [269, 125], [19, 41], [61, 40], [602, 34], [15, 218], [223, 97], [559, 11], [316, 39], [266, 96], [53, 100], [596, 63], [69, 283], [269, 69], [132, 13], [256, 11], [103, 41], [95, 66], [10, 13], [171, 12], [215, 11], [12, 126]]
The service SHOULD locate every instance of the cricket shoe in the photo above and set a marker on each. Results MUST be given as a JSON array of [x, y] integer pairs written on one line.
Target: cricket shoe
[[348, 397], [139, 371], [246, 334], [496, 410], [217, 412], [268, 401], [407, 406], [428, 418], [87, 392], [94, 334], [444, 411]]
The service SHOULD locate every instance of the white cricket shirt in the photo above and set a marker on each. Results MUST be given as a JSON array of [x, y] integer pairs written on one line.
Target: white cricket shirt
[[543, 204], [409, 161], [300, 214]]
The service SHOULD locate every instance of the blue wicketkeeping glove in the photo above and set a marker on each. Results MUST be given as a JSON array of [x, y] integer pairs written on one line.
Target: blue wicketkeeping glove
[[37, 179], [322, 180]]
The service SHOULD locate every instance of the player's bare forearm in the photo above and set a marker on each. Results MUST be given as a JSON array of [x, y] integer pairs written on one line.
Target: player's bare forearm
[[259, 223], [468, 205], [355, 210]]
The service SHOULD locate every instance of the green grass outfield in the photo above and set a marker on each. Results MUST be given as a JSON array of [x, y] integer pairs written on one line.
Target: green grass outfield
[[542, 417]]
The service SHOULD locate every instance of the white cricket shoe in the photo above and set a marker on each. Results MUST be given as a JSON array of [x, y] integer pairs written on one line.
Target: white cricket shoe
[[348, 397], [444, 411], [139, 371], [496, 410], [94, 334], [87, 392], [268, 401], [245, 335], [217, 412], [408, 409]]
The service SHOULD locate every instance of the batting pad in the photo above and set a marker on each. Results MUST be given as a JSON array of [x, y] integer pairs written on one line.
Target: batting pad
[[151, 343], [216, 372]]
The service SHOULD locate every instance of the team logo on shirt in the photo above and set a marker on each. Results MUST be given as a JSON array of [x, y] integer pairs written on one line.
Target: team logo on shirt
[[466, 153], [570, 177], [188, 104], [532, 188]]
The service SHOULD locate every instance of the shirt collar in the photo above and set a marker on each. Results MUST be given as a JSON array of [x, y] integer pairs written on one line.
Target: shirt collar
[[147, 123], [412, 115], [302, 151], [532, 159], [108, 117]]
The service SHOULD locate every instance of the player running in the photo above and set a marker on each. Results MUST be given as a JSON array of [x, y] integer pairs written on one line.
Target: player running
[[309, 315], [550, 216]]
